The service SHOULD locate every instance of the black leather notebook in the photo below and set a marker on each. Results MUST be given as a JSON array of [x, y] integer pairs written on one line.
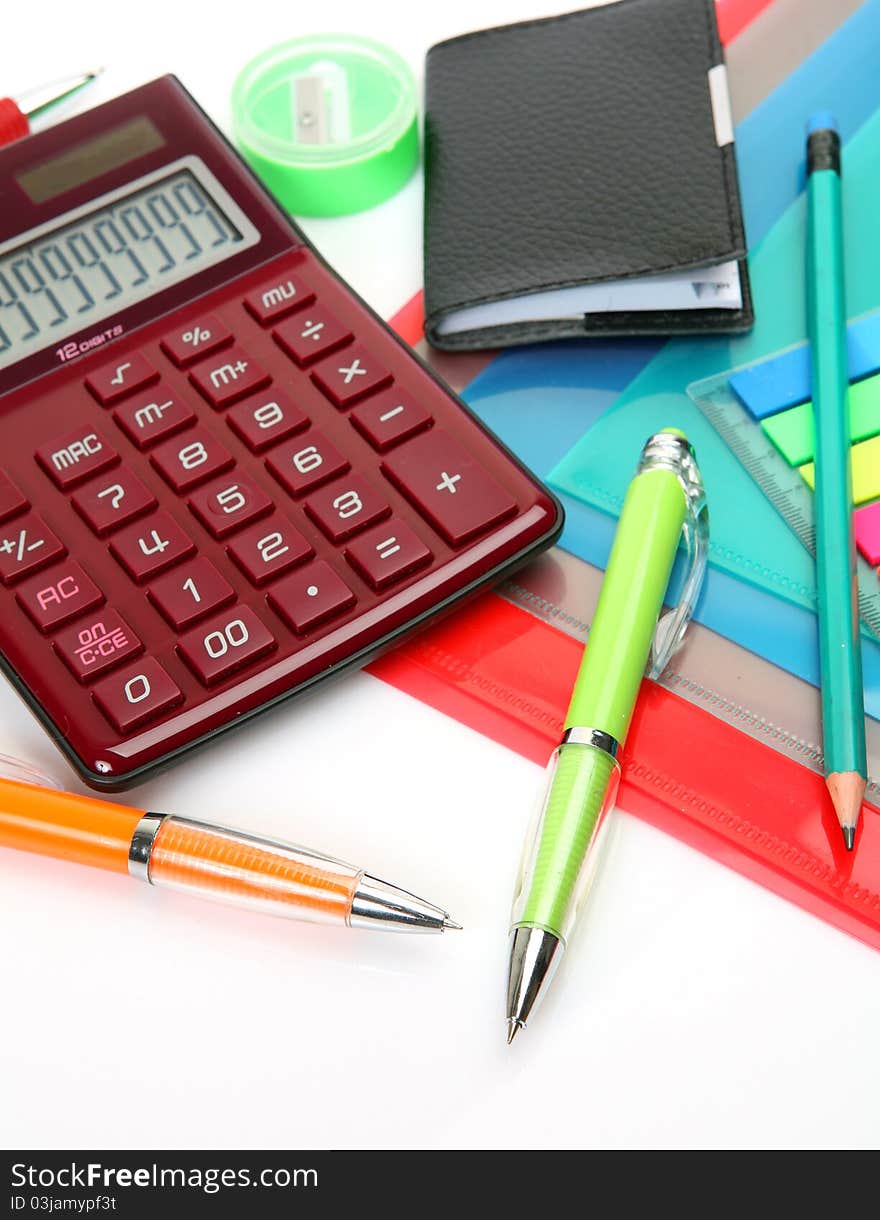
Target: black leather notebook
[[580, 179]]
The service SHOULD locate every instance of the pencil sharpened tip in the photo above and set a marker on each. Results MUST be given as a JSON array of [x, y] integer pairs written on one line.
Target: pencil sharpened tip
[[513, 1028], [450, 923], [849, 836]]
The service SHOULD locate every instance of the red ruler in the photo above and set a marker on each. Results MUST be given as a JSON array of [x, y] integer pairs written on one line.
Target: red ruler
[[509, 675]]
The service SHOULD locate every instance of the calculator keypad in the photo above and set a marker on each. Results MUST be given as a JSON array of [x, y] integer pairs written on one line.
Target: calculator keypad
[[96, 643], [388, 553], [346, 507], [310, 596], [196, 340], [73, 457], [149, 418], [228, 377], [190, 591], [278, 297], [136, 694], [350, 375], [311, 335], [448, 487], [224, 643], [191, 459], [268, 549], [54, 599], [229, 503], [117, 380], [265, 419], [307, 462], [235, 502], [389, 418], [151, 546], [112, 501], [25, 545]]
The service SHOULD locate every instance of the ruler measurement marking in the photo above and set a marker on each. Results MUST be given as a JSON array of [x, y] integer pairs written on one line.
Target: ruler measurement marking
[[782, 484]]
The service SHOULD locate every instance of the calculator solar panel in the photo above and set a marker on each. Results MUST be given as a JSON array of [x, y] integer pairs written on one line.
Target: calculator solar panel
[[224, 478]]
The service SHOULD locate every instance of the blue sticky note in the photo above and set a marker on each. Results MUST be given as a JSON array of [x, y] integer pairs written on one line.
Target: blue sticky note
[[783, 381]]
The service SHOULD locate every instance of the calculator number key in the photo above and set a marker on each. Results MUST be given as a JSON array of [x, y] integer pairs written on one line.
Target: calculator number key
[[266, 419], [306, 463], [225, 643], [190, 592], [230, 377], [114, 381], [74, 456], [448, 486], [311, 335], [26, 545], [390, 418], [190, 460], [196, 340], [152, 417], [352, 374], [112, 502], [310, 596], [345, 507], [266, 550], [227, 504], [151, 546], [89, 648], [139, 693], [388, 553], [55, 598]]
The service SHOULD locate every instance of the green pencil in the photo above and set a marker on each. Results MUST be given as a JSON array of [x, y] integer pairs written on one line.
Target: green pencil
[[840, 657]]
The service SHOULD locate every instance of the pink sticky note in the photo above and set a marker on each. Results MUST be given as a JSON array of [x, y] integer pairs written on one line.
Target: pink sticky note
[[867, 523]]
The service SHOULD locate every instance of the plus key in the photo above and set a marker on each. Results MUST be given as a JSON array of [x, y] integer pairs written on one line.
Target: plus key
[[448, 486]]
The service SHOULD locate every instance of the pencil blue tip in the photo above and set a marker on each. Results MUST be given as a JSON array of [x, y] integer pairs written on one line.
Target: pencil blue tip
[[822, 120]]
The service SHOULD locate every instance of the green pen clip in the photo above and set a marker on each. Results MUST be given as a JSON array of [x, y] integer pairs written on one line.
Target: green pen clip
[[670, 450]]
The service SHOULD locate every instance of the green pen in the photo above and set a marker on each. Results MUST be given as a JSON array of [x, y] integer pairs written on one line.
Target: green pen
[[630, 634]]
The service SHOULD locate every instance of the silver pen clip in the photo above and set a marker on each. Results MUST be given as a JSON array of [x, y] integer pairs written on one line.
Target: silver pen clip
[[671, 451]]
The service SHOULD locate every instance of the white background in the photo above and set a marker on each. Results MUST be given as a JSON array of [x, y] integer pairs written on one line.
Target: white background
[[694, 1009]]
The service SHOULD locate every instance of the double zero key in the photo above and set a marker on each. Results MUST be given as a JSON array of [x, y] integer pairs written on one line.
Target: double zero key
[[224, 643]]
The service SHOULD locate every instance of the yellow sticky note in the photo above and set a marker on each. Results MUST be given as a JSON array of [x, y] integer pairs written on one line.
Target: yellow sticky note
[[865, 463]]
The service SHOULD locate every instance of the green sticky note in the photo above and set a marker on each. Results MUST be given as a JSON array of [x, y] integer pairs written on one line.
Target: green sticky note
[[791, 431], [865, 459]]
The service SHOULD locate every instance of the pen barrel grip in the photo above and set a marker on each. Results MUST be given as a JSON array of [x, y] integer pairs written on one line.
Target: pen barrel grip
[[563, 850], [234, 867], [630, 602]]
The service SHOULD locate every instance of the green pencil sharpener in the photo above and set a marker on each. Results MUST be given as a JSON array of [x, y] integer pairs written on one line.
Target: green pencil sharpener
[[329, 123]]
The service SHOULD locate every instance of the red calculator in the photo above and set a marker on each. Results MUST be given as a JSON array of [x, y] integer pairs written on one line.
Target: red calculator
[[224, 479]]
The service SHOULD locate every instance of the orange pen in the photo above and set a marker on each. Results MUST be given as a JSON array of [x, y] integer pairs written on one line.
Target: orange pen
[[209, 860]]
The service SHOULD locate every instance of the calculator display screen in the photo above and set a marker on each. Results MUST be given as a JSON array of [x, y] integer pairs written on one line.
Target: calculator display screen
[[94, 262]]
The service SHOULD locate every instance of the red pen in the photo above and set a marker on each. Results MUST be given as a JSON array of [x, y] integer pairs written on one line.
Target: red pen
[[16, 113]]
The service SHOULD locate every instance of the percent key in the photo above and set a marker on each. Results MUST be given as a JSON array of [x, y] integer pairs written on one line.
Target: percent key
[[195, 340]]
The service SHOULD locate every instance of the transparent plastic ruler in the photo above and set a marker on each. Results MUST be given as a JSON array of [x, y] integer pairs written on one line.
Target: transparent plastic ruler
[[711, 672], [781, 484]]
